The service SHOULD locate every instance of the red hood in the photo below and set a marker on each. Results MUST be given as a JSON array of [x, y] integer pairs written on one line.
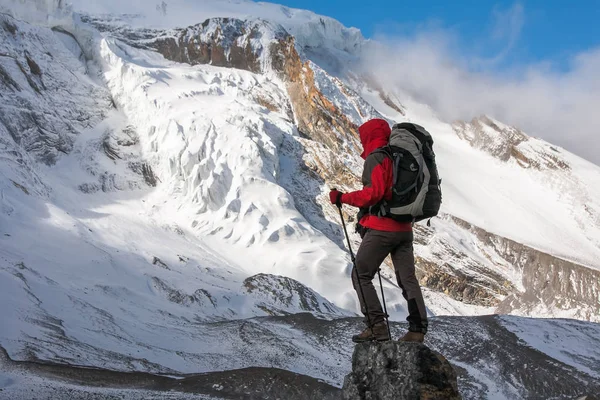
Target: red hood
[[374, 134]]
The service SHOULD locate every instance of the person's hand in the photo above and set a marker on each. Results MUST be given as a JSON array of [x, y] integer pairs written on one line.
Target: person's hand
[[335, 197], [361, 230]]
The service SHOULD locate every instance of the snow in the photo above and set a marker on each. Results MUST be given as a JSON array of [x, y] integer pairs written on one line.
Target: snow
[[568, 341], [5, 381], [532, 207], [19, 385], [42, 12], [99, 266], [120, 266], [233, 189]]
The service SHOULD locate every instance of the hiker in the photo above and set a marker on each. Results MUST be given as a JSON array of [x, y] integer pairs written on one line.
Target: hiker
[[382, 235]]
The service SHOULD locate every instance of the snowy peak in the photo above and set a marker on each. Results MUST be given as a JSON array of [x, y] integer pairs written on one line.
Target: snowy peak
[[311, 31], [324, 108], [508, 143], [222, 42]]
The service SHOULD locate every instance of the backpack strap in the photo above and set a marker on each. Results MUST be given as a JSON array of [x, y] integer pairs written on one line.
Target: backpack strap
[[415, 184], [395, 157], [378, 209]]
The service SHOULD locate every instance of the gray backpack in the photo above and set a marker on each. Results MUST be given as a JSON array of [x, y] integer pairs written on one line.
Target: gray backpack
[[417, 194]]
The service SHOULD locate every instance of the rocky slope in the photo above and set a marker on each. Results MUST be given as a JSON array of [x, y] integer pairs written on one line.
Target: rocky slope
[[509, 144], [494, 357], [512, 277]]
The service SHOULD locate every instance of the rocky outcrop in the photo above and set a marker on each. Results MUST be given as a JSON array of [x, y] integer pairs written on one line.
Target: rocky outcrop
[[397, 370], [222, 42], [275, 294], [315, 114], [465, 286], [554, 284], [509, 143]]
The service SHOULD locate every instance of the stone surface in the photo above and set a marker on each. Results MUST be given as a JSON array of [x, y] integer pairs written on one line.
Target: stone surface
[[397, 370], [508, 143]]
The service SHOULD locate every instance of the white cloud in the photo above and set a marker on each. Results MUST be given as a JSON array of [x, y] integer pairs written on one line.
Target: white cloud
[[560, 107], [507, 27]]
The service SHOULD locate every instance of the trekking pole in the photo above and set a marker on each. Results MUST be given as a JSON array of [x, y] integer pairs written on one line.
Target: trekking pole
[[387, 321], [362, 294]]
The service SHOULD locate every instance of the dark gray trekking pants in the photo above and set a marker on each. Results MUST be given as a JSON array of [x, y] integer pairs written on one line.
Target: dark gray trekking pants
[[375, 247]]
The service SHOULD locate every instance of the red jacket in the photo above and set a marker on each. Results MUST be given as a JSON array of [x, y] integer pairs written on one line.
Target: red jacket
[[373, 135]]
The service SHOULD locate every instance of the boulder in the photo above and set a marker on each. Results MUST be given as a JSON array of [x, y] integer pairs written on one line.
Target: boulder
[[399, 370]]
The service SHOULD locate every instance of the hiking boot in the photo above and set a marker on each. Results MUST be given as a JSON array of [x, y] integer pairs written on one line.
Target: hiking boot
[[379, 332], [415, 337]]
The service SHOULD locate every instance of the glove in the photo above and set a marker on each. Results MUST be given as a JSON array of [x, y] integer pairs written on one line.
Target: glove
[[335, 197], [361, 230]]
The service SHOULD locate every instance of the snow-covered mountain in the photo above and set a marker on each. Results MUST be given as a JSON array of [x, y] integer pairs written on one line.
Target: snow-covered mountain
[[165, 174]]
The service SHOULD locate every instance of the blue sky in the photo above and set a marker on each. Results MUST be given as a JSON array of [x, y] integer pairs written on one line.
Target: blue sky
[[534, 30]]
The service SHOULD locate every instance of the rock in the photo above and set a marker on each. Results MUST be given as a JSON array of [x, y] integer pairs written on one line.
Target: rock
[[275, 294], [398, 370], [509, 143]]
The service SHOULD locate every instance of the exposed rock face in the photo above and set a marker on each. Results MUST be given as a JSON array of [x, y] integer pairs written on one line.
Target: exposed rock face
[[442, 265], [554, 283], [396, 370], [505, 274], [549, 282], [467, 287], [316, 115], [508, 143], [222, 42]]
